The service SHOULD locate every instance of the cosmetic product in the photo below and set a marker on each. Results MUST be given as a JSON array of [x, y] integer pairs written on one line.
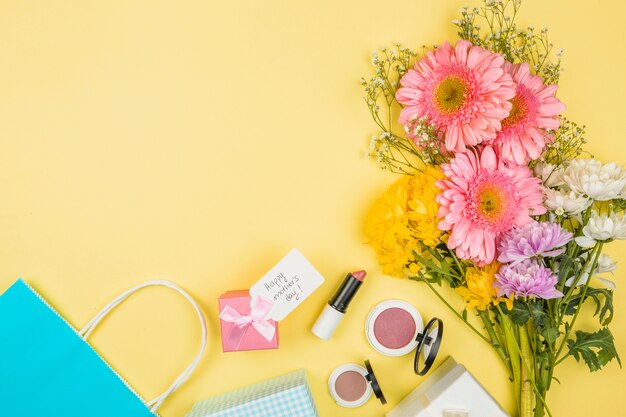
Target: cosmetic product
[[336, 308], [395, 328], [449, 391], [351, 385]]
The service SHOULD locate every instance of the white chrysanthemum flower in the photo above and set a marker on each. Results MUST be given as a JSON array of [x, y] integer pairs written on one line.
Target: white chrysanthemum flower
[[597, 181], [565, 203], [605, 264], [602, 228], [551, 176]]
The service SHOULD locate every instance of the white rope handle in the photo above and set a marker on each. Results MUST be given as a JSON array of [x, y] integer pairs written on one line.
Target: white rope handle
[[184, 376]]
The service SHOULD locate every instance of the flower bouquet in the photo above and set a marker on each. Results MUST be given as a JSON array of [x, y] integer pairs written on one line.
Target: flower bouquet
[[496, 200]]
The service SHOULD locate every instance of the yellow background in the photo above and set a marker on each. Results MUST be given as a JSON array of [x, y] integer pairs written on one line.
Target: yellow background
[[200, 141]]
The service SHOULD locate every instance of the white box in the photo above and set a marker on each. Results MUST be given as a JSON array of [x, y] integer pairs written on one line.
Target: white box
[[449, 391]]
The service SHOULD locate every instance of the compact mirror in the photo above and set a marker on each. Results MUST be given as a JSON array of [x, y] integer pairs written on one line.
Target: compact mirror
[[428, 343]]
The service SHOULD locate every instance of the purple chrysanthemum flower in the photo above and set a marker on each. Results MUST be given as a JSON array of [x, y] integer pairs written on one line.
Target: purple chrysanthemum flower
[[533, 239], [527, 279]]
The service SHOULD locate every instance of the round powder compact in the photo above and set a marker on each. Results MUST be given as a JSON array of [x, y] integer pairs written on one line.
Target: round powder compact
[[392, 327], [351, 385]]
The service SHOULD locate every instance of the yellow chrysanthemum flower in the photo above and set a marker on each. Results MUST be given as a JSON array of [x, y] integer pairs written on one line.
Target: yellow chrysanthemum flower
[[396, 258], [405, 215], [480, 292], [423, 207]]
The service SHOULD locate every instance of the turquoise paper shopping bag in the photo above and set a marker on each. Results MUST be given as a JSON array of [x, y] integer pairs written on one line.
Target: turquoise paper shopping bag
[[48, 369]]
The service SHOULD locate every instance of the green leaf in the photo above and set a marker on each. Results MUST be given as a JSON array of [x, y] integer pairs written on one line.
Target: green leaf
[[566, 266], [542, 322], [538, 314], [606, 312], [437, 271], [445, 266], [603, 297], [618, 205], [596, 349], [520, 313], [542, 356], [523, 311], [549, 332]]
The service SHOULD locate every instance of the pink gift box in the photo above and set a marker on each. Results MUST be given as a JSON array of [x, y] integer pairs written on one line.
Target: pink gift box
[[252, 339]]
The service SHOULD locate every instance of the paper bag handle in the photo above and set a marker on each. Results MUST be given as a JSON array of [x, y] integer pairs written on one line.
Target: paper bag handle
[[86, 331]]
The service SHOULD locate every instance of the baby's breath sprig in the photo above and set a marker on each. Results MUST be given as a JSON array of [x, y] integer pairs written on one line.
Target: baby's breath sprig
[[569, 140], [389, 147], [391, 153], [502, 35], [427, 138]]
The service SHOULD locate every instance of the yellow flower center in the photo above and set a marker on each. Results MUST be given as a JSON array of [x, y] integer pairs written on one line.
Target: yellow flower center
[[518, 111], [490, 202], [450, 94]]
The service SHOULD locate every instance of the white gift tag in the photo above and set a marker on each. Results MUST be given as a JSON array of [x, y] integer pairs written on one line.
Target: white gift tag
[[287, 284]]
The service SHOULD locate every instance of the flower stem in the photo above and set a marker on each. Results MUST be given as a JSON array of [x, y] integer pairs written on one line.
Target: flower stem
[[495, 340], [474, 329], [590, 259], [514, 356], [458, 263], [596, 256], [526, 399], [543, 377], [521, 360]]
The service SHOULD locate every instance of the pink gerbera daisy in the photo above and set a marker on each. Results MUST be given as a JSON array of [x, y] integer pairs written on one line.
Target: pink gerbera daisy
[[482, 198], [523, 136], [464, 93]]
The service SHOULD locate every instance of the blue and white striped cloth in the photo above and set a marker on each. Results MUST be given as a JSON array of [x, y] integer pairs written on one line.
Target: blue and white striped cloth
[[285, 396]]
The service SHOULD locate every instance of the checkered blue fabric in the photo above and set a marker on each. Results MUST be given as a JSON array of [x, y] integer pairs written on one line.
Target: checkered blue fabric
[[285, 396]]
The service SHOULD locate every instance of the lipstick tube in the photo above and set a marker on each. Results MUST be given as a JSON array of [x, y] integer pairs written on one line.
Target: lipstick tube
[[336, 308]]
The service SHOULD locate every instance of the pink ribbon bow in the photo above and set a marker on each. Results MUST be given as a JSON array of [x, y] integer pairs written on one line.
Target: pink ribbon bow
[[259, 309]]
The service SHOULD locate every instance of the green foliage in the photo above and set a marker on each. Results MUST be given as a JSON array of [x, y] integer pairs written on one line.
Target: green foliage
[[567, 265], [389, 146], [523, 311], [439, 267], [534, 311], [568, 143], [596, 349], [618, 205], [603, 299], [550, 332], [520, 314], [502, 35]]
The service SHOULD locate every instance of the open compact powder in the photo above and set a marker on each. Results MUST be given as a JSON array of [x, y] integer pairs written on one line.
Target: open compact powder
[[392, 327], [351, 385]]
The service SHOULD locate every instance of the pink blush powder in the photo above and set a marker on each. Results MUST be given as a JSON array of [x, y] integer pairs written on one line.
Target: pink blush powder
[[394, 328], [350, 386]]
